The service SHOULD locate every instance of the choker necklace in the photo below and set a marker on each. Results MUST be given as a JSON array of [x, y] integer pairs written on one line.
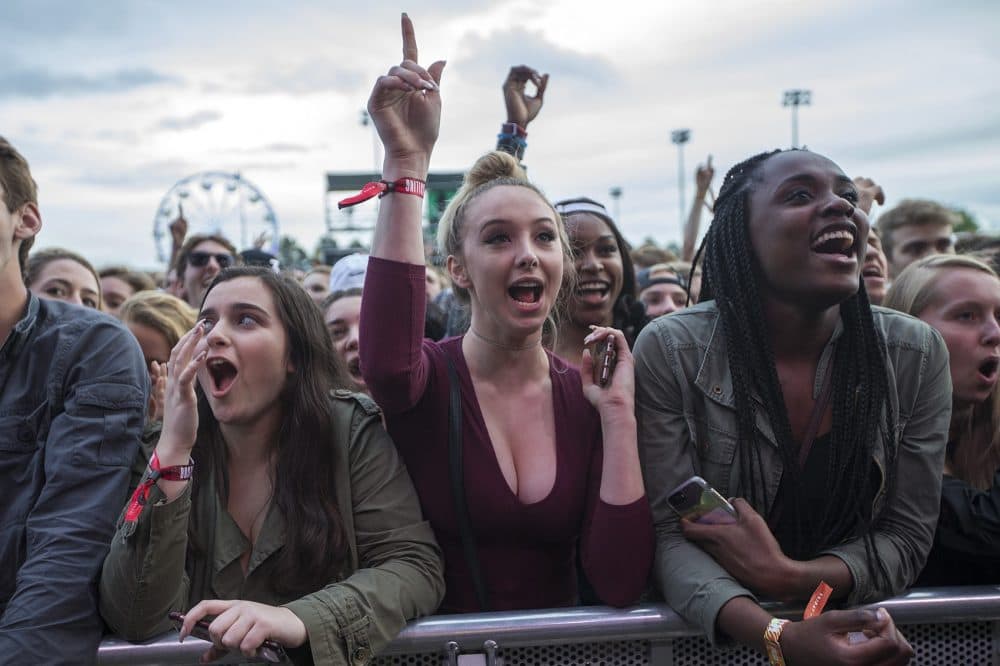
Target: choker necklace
[[500, 345]]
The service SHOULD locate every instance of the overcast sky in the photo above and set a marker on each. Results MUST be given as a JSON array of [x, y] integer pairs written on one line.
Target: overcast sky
[[113, 102]]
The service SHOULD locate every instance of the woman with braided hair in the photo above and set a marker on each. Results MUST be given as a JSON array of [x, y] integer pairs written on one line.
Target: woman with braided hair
[[786, 388]]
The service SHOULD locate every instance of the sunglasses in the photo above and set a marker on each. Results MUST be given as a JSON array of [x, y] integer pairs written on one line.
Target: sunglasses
[[200, 259]]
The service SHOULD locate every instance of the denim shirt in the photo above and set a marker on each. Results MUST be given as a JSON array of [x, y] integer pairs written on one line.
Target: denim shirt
[[686, 412], [73, 387], [394, 572]]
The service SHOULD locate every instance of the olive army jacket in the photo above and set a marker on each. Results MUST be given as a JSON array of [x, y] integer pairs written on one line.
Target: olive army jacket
[[686, 414], [395, 567]]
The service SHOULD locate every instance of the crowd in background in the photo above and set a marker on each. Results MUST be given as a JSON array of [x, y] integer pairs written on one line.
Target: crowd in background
[[314, 458]]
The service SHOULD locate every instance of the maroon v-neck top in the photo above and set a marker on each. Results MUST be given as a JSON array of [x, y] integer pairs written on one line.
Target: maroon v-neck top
[[526, 552]]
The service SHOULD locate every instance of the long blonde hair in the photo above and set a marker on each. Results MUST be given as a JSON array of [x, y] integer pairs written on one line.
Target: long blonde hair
[[974, 433]]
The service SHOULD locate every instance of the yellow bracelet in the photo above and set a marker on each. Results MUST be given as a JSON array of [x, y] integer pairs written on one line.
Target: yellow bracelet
[[772, 636]]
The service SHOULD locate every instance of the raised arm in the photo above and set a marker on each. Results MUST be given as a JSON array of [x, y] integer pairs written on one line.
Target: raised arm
[[522, 108], [869, 193], [178, 232], [405, 106], [703, 182]]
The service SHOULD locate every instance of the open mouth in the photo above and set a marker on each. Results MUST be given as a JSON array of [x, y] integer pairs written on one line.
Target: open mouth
[[840, 242], [988, 368], [354, 367], [593, 290], [526, 292], [223, 374], [872, 271]]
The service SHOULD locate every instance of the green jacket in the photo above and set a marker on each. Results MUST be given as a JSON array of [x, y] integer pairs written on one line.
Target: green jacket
[[687, 425], [395, 563]]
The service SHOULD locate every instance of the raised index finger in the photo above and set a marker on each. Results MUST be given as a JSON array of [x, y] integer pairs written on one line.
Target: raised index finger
[[409, 40]]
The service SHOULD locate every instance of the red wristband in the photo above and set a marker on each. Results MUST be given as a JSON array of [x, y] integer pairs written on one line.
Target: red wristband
[[153, 474], [381, 188]]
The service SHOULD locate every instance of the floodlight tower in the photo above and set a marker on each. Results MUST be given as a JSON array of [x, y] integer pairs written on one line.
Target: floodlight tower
[[366, 120], [616, 194], [795, 99], [680, 137]]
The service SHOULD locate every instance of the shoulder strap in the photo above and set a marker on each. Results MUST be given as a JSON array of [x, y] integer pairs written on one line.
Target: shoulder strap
[[457, 474]]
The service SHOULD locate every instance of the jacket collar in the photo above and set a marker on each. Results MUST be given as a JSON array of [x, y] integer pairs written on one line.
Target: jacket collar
[[231, 543], [22, 329], [716, 381]]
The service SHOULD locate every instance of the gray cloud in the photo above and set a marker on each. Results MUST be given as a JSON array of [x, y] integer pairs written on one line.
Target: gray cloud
[[318, 75], [971, 137], [279, 147], [268, 166], [161, 174], [480, 58], [63, 18], [188, 122], [37, 82], [117, 136]]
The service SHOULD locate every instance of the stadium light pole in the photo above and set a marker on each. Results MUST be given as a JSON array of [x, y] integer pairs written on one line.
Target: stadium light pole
[[795, 99], [366, 120], [679, 137], [616, 195]]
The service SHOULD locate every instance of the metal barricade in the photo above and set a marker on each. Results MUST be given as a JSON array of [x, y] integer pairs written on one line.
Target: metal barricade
[[945, 626]]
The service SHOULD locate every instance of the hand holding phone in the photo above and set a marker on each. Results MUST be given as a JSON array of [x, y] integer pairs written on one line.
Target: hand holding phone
[[605, 356], [699, 502], [269, 650]]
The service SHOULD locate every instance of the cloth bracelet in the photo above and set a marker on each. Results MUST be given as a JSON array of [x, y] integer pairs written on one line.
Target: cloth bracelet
[[153, 473], [405, 185], [513, 138], [512, 145]]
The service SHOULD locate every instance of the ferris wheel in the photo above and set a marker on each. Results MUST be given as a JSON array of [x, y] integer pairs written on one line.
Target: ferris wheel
[[217, 202]]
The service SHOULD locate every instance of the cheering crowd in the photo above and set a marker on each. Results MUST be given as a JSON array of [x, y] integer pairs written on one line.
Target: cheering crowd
[[305, 463]]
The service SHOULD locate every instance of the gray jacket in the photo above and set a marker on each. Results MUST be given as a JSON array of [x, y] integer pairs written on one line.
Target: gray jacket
[[73, 387], [687, 425]]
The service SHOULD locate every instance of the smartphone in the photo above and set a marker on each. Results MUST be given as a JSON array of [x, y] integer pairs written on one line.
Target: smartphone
[[268, 651], [605, 356], [699, 502]]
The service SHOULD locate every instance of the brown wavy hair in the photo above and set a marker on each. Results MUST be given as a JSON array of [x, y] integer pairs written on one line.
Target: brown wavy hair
[[315, 550]]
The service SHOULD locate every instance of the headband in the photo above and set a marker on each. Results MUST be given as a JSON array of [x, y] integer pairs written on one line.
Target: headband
[[680, 282], [581, 206]]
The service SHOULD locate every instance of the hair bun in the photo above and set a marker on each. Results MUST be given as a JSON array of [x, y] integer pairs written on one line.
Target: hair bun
[[493, 166]]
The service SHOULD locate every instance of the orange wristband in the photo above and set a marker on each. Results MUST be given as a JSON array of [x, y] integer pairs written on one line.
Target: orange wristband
[[817, 601]]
